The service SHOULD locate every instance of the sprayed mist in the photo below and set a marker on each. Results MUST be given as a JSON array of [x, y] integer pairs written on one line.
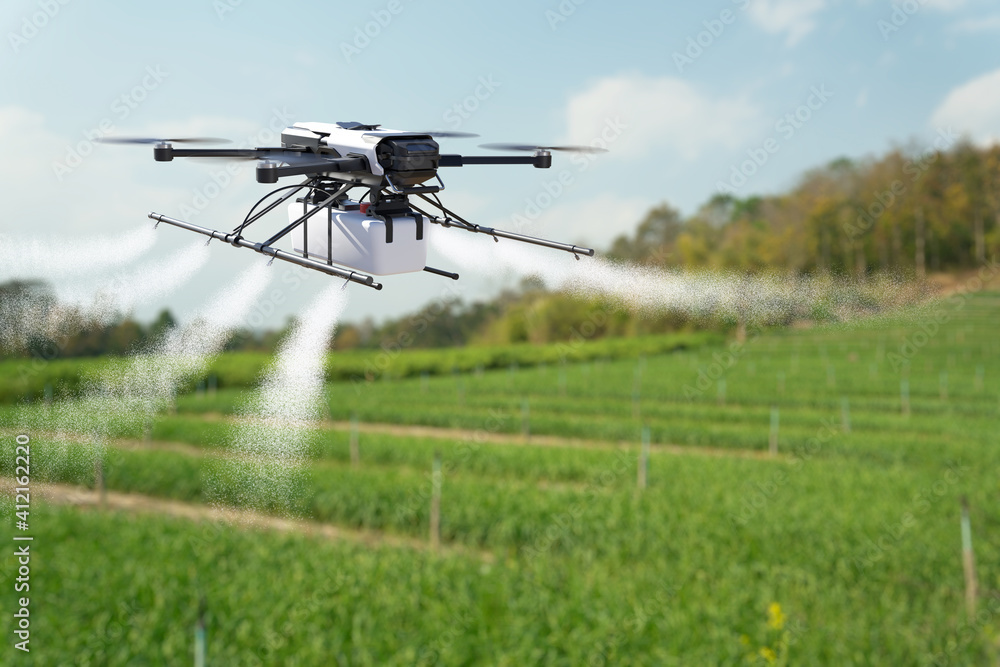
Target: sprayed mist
[[76, 306], [55, 257], [125, 398], [757, 298], [271, 437]]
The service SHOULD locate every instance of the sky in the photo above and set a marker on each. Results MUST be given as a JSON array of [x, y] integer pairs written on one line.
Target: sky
[[689, 98]]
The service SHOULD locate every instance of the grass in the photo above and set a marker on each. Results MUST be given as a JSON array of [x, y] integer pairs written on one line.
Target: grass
[[852, 532]]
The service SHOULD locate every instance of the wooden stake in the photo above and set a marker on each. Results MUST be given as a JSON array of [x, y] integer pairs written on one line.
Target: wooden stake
[[773, 446], [980, 372], [968, 562], [525, 419], [721, 391], [436, 502], [355, 449], [644, 457], [904, 396]]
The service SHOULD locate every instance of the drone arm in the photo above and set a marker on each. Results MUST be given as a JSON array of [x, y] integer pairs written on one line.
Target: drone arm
[[166, 152], [270, 172], [541, 161]]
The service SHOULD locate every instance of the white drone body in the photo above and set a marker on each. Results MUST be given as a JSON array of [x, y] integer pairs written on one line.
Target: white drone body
[[383, 231]]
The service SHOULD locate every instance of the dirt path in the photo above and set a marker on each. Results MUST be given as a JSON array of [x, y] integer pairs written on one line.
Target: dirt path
[[467, 435], [133, 503]]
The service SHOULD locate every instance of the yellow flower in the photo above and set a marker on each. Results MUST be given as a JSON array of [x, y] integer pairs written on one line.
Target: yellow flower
[[768, 655], [775, 617]]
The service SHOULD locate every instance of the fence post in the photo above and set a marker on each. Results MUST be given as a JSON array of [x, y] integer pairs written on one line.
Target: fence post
[[644, 457]]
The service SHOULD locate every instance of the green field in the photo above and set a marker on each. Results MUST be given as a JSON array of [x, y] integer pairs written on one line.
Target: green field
[[843, 548]]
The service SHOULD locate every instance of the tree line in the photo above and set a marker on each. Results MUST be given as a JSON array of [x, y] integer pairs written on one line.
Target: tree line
[[909, 212]]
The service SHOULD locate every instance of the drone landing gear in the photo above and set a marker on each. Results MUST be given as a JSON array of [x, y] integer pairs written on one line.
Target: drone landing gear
[[439, 272], [273, 253]]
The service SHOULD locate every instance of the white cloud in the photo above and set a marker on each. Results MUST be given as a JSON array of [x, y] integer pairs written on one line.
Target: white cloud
[[973, 108], [797, 18], [636, 115]]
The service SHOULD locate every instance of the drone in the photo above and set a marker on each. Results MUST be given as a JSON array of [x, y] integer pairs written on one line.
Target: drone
[[383, 229]]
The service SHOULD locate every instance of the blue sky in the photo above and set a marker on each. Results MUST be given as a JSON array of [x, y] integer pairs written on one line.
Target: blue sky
[[682, 94]]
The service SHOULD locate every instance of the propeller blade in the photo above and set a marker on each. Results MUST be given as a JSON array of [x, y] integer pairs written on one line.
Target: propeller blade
[[530, 148], [153, 140], [450, 135]]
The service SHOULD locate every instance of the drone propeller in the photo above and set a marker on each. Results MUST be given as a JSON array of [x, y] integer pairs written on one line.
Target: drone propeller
[[530, 148], [450, 135], [154, 140]]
